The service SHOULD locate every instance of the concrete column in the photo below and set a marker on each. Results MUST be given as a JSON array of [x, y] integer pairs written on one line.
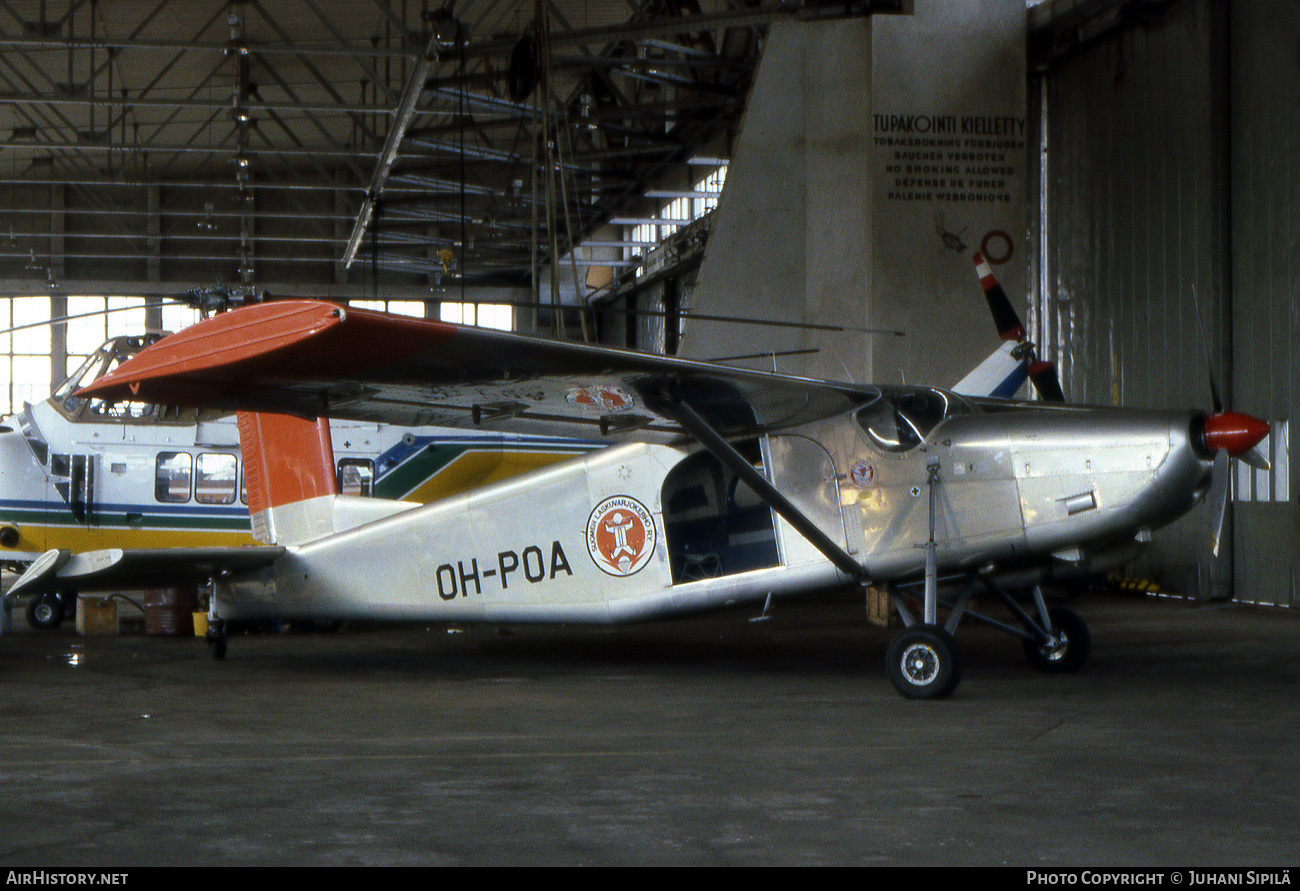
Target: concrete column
[[792, 238]]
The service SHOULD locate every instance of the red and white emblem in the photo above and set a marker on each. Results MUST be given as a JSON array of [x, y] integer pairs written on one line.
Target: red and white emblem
[[862, 473], [620, 535], [602, 398]]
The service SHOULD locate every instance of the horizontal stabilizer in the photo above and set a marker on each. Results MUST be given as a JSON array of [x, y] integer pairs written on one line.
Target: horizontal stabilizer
[[117, 569]]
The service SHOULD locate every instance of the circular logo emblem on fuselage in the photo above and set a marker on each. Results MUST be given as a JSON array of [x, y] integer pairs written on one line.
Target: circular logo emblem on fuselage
[[862, 473], [620, 535]]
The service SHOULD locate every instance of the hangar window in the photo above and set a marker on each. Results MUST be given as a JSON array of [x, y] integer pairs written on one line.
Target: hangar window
[[397, 307], [94, 320], [28, 344], [680, 209], [500, 316], [1273, 483], [25, 372]]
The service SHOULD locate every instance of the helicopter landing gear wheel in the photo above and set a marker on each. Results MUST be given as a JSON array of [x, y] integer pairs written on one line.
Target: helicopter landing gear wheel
[[924, 662], [1069, 648], [45, 612]]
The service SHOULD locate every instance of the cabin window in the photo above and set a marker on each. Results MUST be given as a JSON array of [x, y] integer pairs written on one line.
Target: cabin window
[[172, 477], [714, 523], [356, 477], [215, 478]]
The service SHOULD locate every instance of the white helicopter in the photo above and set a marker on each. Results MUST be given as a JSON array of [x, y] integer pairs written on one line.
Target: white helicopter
[[720, 487], [80, 474]]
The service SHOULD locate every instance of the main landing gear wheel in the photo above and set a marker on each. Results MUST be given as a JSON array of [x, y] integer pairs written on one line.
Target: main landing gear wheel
[[924, 662], [1070, 649], [45, 612]]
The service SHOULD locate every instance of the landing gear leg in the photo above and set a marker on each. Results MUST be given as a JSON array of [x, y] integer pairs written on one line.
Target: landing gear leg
[[1056, 640], [924, 661], [216, 633]]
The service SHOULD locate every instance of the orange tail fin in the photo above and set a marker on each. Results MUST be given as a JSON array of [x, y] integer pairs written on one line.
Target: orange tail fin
[[287, 461]]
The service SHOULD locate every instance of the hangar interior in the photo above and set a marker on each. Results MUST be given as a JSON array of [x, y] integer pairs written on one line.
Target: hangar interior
[[492, 161]]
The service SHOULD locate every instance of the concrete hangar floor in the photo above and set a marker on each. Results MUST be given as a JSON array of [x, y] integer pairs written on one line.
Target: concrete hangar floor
[[713, 741]]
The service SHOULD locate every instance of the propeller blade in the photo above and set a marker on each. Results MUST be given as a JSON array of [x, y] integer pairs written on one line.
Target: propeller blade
[[1219, 496], [1214, 394], [1209, 363], [1257, 459]]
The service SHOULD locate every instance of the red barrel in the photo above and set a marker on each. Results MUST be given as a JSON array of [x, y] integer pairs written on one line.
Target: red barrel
[[170, 611]]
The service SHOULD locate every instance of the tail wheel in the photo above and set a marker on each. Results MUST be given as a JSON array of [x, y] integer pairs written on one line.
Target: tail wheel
[[1069, 649], [924, 662]]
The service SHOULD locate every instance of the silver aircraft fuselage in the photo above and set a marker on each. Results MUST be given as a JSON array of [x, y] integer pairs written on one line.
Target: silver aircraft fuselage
[[645, 530]]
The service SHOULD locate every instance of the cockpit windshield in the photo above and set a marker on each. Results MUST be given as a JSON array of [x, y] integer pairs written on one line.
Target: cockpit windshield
[[97, 364], [901, 419]]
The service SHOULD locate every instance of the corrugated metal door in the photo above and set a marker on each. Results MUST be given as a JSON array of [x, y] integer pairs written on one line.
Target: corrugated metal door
[[1170, 191]]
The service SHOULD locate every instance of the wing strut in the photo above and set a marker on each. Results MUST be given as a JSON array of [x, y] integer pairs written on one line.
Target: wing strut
[[719, 448]]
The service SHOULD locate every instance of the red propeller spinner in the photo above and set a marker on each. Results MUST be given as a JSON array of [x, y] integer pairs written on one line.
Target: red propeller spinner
[[1232, 431]]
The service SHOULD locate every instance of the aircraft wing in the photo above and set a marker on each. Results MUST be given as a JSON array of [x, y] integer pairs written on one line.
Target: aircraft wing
[[311, 358], [128, 570]]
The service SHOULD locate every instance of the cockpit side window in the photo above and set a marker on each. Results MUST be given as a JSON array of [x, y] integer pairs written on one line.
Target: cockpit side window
[[901, 420]]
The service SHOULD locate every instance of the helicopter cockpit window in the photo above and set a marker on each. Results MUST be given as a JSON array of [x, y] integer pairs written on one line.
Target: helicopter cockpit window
[[105, 359], [901, 420]]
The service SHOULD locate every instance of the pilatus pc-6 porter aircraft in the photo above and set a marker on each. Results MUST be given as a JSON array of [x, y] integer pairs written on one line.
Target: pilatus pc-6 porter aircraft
[[720, 487]]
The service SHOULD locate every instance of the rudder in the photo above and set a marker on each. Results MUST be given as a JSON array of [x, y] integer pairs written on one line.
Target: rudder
[[288, 474]]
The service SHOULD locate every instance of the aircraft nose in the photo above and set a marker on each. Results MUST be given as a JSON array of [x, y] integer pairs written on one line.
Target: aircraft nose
[[1231, 431]]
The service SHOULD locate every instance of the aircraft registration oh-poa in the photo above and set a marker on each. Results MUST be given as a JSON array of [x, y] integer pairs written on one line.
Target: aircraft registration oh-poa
[[720, 487], [80, 474]]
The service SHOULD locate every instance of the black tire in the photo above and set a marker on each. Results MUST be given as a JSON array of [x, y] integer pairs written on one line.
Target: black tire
[[45, 612], [924, 662], [217, 648], [1073, 649], [216, 639]]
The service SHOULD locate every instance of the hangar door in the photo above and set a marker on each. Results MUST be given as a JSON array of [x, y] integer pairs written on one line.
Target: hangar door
[[1166, 242]]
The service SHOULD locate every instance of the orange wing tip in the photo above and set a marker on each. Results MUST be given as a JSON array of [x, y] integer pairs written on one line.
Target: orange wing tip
[[224, 340], [260, 345]]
